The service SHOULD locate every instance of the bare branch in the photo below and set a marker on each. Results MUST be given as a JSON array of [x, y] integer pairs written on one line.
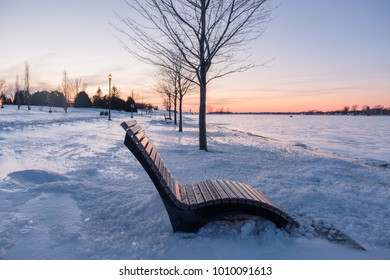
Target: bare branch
[[208, 35]]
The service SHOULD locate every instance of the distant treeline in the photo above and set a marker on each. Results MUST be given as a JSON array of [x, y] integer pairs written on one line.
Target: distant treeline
[[378, 110], [117, 103], [82, 100]]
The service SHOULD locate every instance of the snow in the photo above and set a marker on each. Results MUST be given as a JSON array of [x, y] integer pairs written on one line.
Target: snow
[[70, 189], [364, 137]]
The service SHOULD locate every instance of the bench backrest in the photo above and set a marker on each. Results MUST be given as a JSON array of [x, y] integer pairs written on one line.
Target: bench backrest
[[141, 147]]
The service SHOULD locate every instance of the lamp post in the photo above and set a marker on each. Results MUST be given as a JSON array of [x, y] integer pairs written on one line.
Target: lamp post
[[109, 97]]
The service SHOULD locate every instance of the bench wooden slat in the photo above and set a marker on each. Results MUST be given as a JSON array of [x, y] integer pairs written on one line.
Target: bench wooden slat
[[173, 185], [167, 176], [206, 193], [134, 129], [183, 195], [177, 190], [150, 156], [257, 194], [233, 193], [198, 195], [141, 134], [151, 160], [232, 196], [224, 196], [150, 153], [243, 193], [143, 143], [191, 197], [238, 195], [164, 172], [166, 179], [213, 192], [157, 165], [128, 124], [148, 149], [251, 192], [140, 139]]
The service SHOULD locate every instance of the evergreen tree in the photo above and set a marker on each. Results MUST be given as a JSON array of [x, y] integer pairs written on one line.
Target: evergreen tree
[[82, 100], [39, 98], [97, 99], [128, 104]]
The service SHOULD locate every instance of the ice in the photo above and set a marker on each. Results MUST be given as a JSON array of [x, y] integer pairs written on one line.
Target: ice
[[70, 189], [357, 136]]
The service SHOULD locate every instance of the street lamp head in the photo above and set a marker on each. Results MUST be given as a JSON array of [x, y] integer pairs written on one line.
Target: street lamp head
[[110, 77]]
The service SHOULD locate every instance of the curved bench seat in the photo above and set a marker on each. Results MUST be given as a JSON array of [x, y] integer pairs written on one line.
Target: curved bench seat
[[191, 206]]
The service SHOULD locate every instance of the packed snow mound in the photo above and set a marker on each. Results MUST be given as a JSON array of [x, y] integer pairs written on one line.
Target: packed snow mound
[[36, 176]]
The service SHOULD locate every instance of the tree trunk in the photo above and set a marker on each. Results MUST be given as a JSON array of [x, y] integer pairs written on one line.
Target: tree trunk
[[175, 107], [202, 80], [28, 101], [202, 113], [169, 106], [181, 113]]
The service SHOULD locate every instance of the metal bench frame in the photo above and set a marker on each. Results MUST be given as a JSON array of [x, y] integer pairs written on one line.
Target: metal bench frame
[[191, 206]]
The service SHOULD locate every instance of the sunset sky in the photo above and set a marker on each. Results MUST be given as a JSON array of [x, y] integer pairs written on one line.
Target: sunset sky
[[324, 54]]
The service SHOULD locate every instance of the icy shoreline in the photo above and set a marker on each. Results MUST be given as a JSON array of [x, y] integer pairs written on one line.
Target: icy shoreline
[[69, 189]]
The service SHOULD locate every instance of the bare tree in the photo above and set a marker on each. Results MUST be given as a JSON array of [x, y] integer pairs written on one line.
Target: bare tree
[[9, 92], [2, 83], [173, 84], [17, 87], [182, 85], [354, 109], [65, 88], [165, 88], [2, 88], [14, 88], [76, 87], [84, 87], [207, 33], [27, 94], [18, 93], [115, 91], [170, 90]]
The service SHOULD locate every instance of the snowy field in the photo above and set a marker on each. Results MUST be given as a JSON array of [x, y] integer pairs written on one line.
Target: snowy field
[[70, 189]]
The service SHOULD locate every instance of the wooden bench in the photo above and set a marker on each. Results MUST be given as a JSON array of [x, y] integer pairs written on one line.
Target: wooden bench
[[168, 119], [191, 206]]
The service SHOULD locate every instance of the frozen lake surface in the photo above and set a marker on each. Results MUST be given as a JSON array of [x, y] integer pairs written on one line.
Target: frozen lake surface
[[358, 136]]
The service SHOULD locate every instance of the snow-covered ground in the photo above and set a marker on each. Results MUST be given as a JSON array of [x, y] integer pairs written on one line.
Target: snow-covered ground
[[70, 189]]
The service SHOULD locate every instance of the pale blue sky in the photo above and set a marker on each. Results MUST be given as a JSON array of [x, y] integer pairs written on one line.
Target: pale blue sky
[[327, 53]]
